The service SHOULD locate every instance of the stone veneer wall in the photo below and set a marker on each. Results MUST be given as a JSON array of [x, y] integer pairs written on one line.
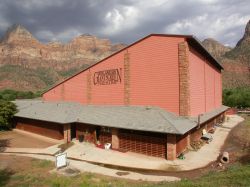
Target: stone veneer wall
[[184, 78], [126, 79]]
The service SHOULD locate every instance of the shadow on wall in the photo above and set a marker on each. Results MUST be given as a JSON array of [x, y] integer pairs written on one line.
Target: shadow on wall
[[4, 143]]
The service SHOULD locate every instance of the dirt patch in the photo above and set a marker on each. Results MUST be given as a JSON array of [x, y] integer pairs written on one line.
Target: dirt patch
[[67, 171], [15, 169], [18, 140], [238, 142], [19, 163], [237, 145]]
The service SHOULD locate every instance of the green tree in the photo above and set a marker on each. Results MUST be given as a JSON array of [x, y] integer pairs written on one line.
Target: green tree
[[11, 95], [7, 111], [237, 97]]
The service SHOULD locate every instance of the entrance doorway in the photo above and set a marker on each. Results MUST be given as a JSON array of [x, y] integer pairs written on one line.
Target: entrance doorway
[[73, 131]]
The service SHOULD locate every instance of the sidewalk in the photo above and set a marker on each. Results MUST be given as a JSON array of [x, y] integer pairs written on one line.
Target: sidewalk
[[52, 150], [88, 152], [193, 159], [92, 168]]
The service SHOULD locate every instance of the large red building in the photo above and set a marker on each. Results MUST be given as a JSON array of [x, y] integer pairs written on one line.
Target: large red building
[[153, 97]]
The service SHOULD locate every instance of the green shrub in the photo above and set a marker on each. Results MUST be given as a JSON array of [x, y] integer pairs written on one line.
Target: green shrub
[[237, 97], [10, 95], [7, 111]]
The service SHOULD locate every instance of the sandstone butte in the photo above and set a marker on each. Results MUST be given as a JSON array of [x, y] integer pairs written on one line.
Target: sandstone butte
[[20, 51], [28, 64]]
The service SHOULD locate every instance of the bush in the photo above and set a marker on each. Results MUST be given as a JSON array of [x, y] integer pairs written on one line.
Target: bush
[[10, 95], [7, 111], [237, 97]]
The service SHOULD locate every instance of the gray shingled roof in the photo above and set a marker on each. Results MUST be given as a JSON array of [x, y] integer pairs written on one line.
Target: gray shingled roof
[[127, 117]]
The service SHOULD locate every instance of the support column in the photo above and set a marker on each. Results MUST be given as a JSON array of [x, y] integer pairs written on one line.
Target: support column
[[171, 147], [184, 79], [62, 92], [126, 79], [89, 88], [67, 133], [115, 139], [188, 140]]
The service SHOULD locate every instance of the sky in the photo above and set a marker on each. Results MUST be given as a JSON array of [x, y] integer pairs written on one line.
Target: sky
[[125, 21]]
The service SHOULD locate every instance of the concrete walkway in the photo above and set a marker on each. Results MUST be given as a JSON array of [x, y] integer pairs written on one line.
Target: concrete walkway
[[52, 150], [210, 152], [92, 168], [193, 159], [84, 151]]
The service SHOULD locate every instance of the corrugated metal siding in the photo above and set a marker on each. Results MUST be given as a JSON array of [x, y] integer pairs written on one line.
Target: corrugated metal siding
[[209, 85], [54, 94], [75, 89], [205, 85], [197, 86], [154, 73], [154, 79], [112, 94], [218, 89]]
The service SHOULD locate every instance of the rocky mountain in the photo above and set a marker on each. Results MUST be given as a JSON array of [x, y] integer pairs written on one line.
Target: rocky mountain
[[27, 64], [215, 48], [236, 61]]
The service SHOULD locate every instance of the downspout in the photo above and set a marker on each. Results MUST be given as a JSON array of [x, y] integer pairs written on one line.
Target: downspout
[[199, 121]]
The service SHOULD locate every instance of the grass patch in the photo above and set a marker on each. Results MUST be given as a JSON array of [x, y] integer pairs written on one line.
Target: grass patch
[[36, 173], [5, 175], [41, 163], [236, 175]]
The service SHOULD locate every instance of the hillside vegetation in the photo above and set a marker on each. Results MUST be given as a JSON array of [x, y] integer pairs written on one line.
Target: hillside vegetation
[[237, 97], [236, 61], [28, 64], [11, 95]]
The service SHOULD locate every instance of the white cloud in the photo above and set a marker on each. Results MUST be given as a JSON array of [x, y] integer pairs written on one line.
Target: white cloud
[[120, 19], [208, 26], [126, 20]]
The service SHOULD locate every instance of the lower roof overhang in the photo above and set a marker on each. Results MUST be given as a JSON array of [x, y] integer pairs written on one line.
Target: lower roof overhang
[[141, 118]]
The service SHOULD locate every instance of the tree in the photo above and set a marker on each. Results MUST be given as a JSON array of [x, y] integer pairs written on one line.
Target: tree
[[237, 97], [7, 111]]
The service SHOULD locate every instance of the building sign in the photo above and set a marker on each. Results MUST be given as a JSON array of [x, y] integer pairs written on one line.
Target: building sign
[[106, 77], [61, 160]]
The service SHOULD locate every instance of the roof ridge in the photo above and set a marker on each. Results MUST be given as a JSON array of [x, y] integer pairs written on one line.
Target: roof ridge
[[172, 125]]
